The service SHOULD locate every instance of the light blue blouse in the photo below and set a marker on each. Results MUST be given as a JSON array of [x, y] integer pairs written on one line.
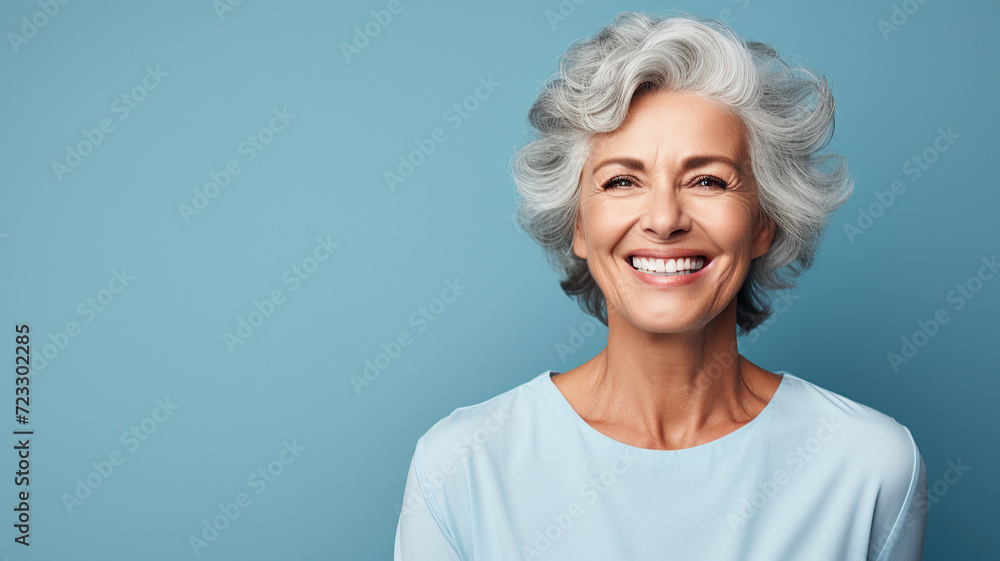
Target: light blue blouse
[[815, 476]]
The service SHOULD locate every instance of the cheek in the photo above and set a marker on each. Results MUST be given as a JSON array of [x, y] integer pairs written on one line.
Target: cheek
[[731, 223], [604, 224]]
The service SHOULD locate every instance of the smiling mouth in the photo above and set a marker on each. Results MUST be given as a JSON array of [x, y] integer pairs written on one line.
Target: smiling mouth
[[668, 267]]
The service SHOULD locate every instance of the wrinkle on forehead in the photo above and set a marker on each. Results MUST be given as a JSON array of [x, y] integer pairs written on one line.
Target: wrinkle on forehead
[[703, 126]]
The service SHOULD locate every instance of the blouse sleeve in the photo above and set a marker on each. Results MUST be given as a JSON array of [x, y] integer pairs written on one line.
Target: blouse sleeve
[[421, 533], [898, 532]]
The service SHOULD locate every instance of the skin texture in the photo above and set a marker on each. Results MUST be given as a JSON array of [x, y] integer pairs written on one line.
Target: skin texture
[[670, 376]]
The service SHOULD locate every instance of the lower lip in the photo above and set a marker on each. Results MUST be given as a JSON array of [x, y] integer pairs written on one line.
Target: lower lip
[[670, 280]]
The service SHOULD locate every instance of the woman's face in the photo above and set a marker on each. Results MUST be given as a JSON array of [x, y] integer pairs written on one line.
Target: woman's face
[[673, 185]]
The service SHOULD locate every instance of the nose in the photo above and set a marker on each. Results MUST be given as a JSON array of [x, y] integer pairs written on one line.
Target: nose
[[663, 213]]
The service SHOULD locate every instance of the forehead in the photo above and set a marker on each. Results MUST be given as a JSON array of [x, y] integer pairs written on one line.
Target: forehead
[[674, 125]]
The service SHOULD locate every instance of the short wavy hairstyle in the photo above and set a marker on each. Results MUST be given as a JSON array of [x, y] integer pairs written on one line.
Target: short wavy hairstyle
[[787, 108]]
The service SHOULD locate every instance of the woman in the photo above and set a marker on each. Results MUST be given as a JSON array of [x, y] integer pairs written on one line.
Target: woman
[[674, 180]]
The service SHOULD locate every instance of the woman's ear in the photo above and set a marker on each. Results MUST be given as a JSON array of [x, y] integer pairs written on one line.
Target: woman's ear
[[579, 240], [764, 236]]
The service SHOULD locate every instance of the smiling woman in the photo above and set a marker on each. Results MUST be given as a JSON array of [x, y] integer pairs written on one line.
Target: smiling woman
[[649, 184], [675, 180]]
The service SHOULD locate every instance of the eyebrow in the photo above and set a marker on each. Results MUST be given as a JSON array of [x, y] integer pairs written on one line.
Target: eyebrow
[[689, 162]]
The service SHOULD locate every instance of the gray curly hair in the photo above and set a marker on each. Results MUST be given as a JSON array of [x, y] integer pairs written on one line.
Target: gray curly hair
[[787, 109]]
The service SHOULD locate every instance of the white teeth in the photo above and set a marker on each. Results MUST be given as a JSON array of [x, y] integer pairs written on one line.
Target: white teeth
[[680, 266]]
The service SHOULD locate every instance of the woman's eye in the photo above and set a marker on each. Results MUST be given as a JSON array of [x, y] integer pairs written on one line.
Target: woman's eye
[[711, 182], [620, 182]]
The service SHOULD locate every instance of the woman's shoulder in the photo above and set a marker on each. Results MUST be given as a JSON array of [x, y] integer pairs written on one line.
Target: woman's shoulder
[[805, 396], [874, 454], [875, 441], [483, 426]]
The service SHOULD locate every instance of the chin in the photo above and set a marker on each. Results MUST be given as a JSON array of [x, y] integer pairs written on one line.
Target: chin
[[668, 319]]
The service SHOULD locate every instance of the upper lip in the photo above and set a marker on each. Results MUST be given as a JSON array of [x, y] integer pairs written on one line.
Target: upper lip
[[667, 253]]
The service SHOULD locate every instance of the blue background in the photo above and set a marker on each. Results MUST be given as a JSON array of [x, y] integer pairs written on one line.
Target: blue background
[[323, 176]]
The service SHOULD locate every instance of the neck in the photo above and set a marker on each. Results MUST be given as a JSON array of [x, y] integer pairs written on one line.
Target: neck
[[673, 390]]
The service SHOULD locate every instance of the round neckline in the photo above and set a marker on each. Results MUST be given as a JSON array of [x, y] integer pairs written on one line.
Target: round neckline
[[722, 443]]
